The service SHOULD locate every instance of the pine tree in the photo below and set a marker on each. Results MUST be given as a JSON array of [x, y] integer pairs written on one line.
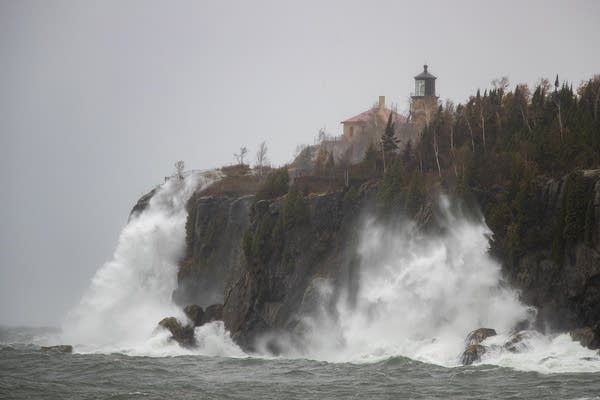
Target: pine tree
[[389, 142], [370, 158]]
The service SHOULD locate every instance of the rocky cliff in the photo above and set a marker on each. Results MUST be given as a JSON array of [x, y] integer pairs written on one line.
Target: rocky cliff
[[263, 260], [559, 271]]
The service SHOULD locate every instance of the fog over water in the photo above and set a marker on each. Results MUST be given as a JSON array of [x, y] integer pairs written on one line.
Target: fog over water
[[99, 99]]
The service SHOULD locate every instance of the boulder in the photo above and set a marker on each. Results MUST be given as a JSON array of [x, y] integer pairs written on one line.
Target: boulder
[[195, 314], [472, 354], [182, 334], [63, 348], [213, 313], [479, 335], [588, 337], [515, 343]]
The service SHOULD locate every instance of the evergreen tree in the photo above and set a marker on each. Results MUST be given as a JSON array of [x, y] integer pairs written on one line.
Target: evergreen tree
[[370, 158], [388, 139], [389, 143]]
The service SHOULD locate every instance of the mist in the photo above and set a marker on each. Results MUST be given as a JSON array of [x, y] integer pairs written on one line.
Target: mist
[[99, 100]]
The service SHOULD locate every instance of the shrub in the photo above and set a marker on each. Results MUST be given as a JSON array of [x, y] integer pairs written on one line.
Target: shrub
[[275, 185], [294, 210]]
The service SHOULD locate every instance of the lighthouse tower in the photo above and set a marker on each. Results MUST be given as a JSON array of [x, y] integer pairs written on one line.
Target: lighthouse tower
[[424, 101]]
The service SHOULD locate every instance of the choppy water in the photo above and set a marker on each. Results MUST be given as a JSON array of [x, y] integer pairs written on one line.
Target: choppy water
[[26, 372]]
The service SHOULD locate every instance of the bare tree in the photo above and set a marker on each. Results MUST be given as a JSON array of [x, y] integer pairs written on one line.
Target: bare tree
[[436, 151], [466, 116], [522, 100], [179, 167], [344, 162], [482, 118], [557, 102], [261, 158], [240, 157], [501, 83]]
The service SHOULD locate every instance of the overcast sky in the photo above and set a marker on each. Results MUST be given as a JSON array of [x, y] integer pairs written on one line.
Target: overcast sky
[[98, 99]]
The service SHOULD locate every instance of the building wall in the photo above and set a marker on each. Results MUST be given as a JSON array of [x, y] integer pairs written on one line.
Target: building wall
[[422, 110], [351, 130]]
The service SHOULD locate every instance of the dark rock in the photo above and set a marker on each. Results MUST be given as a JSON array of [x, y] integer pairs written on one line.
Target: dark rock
[[561, 278], [472, 354], [588, 337], [281, 263], [479, 335], [238, 254], [195, 314], [213, 313], [142, 203], [63, 348], [515, 343], [182, 334], [215, 229]]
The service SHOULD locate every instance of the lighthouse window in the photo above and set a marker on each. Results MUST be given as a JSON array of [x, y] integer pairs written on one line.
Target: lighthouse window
[[419, 88]]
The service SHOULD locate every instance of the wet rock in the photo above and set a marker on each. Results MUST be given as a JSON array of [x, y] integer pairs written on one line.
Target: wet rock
[[63, 348], [588, 337], [182, 334], [213, 313], [142, 203], [472, 354], [515, 343], [195, 314], [479, 335]]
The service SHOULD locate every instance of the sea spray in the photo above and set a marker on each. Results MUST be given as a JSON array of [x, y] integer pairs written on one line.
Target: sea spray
[[419, 296], [132, 292]]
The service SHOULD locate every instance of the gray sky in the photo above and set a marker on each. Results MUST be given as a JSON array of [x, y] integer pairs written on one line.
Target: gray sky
[[98, 99]]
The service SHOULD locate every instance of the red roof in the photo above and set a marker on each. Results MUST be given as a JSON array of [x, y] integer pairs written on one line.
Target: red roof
[[368, 115]]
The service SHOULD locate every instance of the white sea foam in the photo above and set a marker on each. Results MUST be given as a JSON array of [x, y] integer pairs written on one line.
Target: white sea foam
[[420, 295], [132, 292], [544, 353]]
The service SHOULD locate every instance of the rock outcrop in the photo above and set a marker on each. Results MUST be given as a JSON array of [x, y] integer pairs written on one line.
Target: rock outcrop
[[258, 259], [62, 348], [560, 275], [516, 342], [472, 354], [213, 313], [142, 203], [214, 231], [475, 349], [588, 337], [195, 314], [479, 335], [182, 334], [261, 260]]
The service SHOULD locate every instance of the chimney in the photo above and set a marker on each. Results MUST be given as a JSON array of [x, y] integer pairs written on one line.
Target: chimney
[[381, 102]]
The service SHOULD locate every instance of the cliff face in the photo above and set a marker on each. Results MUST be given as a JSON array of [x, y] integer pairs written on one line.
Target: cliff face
[[264, 260], [560, 274], [288, 252], [214, 230]]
